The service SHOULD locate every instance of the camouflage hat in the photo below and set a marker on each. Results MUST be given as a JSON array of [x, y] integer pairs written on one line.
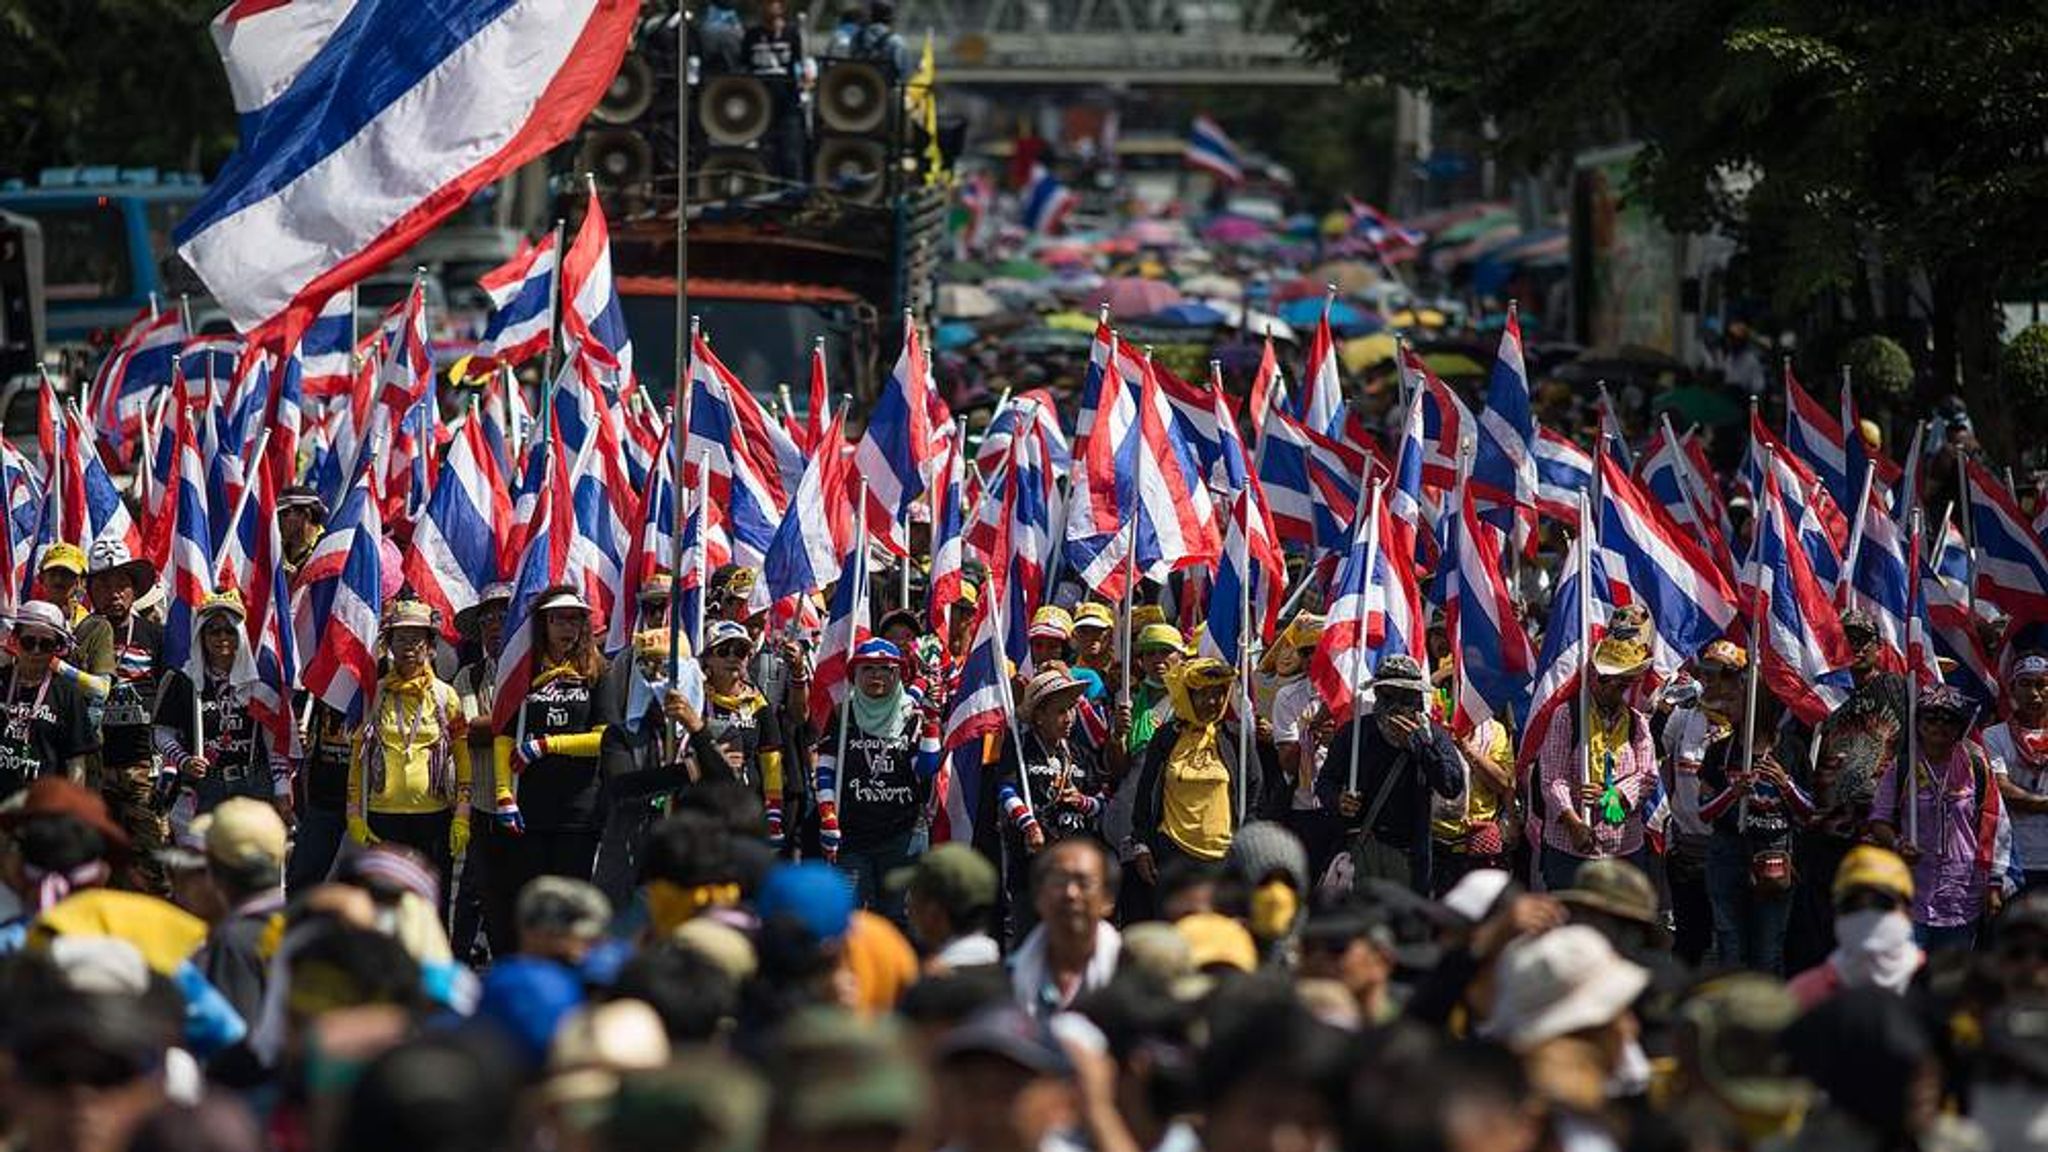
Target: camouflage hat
[[1855, 621], [835, 1071], [1728, 1032], [1617, 888], [702, 1102]]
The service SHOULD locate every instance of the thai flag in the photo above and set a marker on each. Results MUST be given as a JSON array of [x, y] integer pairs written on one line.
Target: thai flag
[[592, 315], [2012, 569], [1204, 419], [1805, 658], [341, 593], [1944, 630], [457, 546], [1613, 437], [1321, 403], [252, 565], [1580, 604], [1393, 242], [1211, 150], [334, 178], [1142, 490], [1564, 471], [190, 573], [654, 540], [209, 364], [1823, 530], [1107, 347], [1045, 202], [773, 453], [1027, 540], [138, 365], [1252, 572], [1446, 422], [326, 348], [1490, 653], [1880, 585], [1667, 472], [717, 457], [1415, 516], [105, 514], [1374, 610], [813, 538], [981, 705], [949, 546], [846, 626], [600, 541], [894, 456], [1690, 601], [1268, 390], [1812, 435], [521, 292], [1033, 413], [687, 603], [1504, 463], [543, 564]]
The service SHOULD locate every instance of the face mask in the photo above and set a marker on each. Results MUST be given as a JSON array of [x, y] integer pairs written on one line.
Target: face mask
[[1631, 1076], [1274, 906], [1875, 947], [2013, 1115]]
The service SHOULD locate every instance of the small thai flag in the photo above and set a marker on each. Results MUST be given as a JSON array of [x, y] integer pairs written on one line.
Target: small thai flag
[[1211, 150]]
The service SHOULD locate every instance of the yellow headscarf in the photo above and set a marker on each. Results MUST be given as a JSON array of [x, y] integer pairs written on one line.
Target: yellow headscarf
[[1197, 730]]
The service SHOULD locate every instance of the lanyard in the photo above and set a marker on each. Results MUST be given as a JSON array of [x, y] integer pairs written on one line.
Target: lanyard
[[42, 691]]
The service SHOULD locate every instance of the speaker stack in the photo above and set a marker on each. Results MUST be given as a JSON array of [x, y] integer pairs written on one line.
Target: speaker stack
[[854, 128], [734, 112]]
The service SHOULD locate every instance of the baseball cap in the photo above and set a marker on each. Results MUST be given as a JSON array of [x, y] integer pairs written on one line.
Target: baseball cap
[[953, 876], [1093, 615], [1868, 866], [246, 835], [1215, 940]]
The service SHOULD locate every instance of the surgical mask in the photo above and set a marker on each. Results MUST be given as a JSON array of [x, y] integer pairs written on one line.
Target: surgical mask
[[1631, 1075], [2015, 1116], [1274, 906], [1875, 947]]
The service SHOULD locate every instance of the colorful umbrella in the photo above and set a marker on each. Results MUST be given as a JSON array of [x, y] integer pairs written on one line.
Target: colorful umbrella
[[1233, 230], [1186, 314], [1131, 296]]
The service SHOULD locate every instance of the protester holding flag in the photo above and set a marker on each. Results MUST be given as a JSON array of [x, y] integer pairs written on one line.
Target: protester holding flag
[[1192, 790], [1381, 769], [1945, 816], [743, 728], [876, 762], [545, 768], [409, 777], [1048, 784], [126, 648], [226, 754], [1594, 808], [1295, 713], [48, 729]]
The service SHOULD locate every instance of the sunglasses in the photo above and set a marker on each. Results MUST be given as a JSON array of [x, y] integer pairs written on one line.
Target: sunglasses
[[729, 652], [39, 644]]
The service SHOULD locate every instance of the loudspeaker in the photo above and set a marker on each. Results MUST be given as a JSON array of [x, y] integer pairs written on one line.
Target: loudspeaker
[[852, 167], [729, 173], [733, 110], [630, 94], [620, 157], [853, 98]]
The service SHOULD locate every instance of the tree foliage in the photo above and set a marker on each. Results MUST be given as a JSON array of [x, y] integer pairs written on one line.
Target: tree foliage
[[2023, 368], [1880, 368], [129, 82]]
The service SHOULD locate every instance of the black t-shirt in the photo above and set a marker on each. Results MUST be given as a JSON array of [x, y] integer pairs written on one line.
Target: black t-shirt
[[556, 792], [138, 644], [46, 725], [742, 734], [1070, 764], [236, 763], [325, 772], [880, 794]]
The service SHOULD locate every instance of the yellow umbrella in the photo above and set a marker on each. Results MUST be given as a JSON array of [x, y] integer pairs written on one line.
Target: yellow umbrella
[[1336, 224], [1413, 318], [1070, 321], [1365, 351], [1348, 275]]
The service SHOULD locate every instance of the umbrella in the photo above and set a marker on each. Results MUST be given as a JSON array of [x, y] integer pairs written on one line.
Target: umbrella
[[1064, 254], [1348, 275], [1364, 352], [967, 302], [1299, 288], [1070, 322], [1233, 230], [1130, 296], [1452, 365], [1156, 234], [1417, 318], [1186, 314], [1474, 227], [1695, 404], [1019, 268], [1307, 311], [1211, 284], [955, 335], [1253, 322], [1035, 341]]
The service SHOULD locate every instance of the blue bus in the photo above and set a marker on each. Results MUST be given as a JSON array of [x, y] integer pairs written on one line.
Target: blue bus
[[106, 232]]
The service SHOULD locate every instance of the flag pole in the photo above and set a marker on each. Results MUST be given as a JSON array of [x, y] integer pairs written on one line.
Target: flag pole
[[1845, 586], [1130, 595], [1969, 529], [1589, 539], [1372, 560], [996, 630], [1766, 506], [859, 565], [1245, 719], [1909, 796], [547, 362]]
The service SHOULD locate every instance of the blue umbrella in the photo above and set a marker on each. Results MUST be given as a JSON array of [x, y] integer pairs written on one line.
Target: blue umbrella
[[955, 335], [1347, 318], [1186, 314]]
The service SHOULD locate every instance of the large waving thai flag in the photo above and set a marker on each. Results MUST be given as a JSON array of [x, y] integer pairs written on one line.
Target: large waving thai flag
[[600, 543], [1943, 629], [894, 455], [340, 597], [1564, 472], [1142, 489], [592, 315], [521, 291], [1812, 435], [1805, 657], [365, 123], [1446, 422], [1211, 150], [1690, 601], [1374, 611], [813, 538], [1205, 420], [1045, 202], [327, 348], [2012, 568], [1504, 461], [1252, 574], [1489, 649], [458, 543], [190, 572]]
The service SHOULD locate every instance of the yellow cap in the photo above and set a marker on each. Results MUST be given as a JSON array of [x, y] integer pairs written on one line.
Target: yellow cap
[[1216, 940], [1145, 615], [69, 557], [1868, 866], [1093, 615], [223, 600], [1159, 636]]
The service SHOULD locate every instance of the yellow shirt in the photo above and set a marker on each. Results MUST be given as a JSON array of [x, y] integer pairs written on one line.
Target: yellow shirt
[[407, 727], [1482, 803], [1195, 812]]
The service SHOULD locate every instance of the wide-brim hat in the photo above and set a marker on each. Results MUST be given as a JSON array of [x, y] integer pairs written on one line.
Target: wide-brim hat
[[109, 556], [1400, 674], [561, 597], [499, 594], [1048, 686], [408, 613], [1615, 656], [1566, 980]]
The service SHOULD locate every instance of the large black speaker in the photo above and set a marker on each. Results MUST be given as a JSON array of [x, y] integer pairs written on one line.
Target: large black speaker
[[630, 94], [734, 110], [728, 174], [853, 168], [620, 158], [853, 99]]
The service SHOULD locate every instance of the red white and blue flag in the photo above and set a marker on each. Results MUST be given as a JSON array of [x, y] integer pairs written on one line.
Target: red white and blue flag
[[1045, 202], [1490, 654], [2012, 567], [1651, 561], [337, 175], [895, 455], [1812, 435], [1504, 460], [1579, 610], [1375, 609], [253, 565], [1321, 403], [137, 367], [458, 545], [340, 598], [1140, 488], [592, 316], [1251, 572], [543, 564], [1564, 472], [521, 291], [814, 537], [720, 453], [1805, 657], [846, 626], [949, 539], [190, 572], [327, 348], [1211, 149]]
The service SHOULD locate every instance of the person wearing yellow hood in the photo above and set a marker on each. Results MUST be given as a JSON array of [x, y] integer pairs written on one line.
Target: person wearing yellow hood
[[409, 774], [1192, 793]]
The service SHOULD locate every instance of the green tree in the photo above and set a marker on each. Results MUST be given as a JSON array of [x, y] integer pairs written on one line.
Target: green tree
[[1911, 135], [129, 82]]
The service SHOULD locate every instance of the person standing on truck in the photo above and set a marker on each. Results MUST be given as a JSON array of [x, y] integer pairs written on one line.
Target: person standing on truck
[[773, 51]]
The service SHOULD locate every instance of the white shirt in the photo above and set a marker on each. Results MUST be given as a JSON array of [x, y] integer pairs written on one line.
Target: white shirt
[[1685, 745], [2029, 829], [970, 951], [1293, 703]]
